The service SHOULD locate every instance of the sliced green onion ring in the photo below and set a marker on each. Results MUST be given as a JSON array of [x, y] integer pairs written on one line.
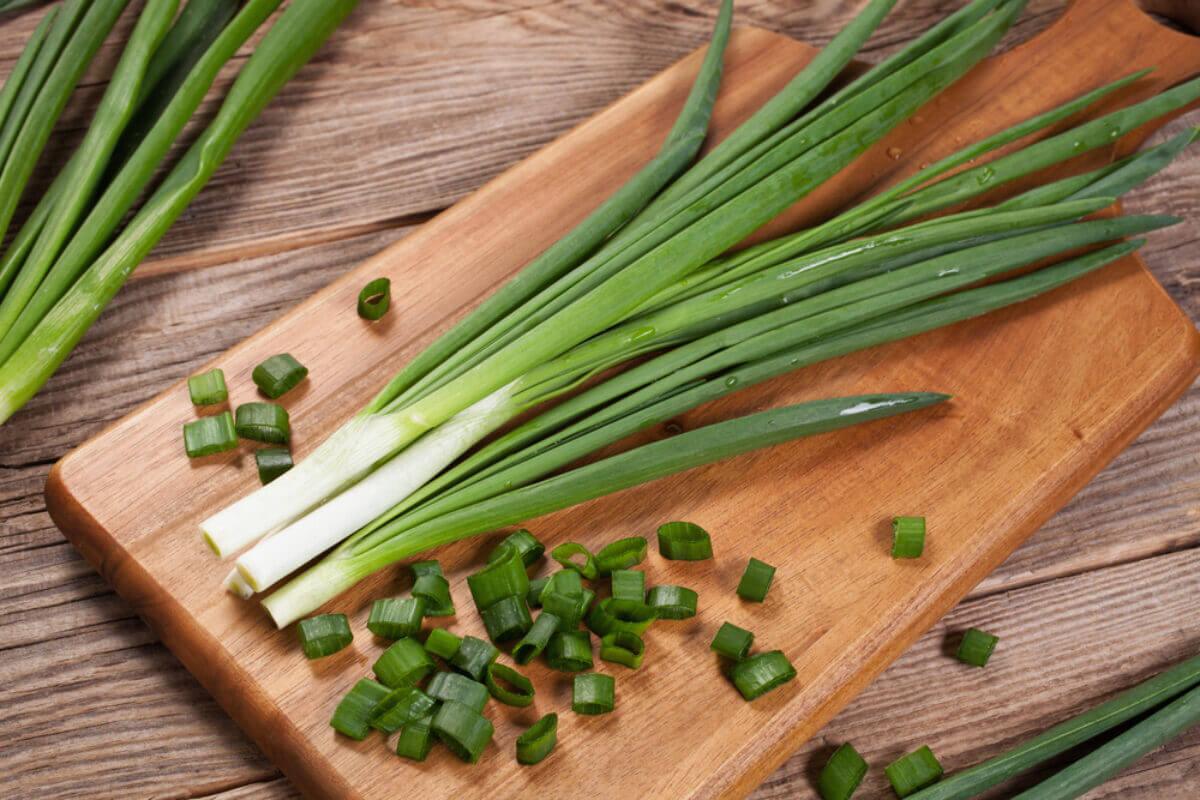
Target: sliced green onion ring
[[628, 590], [464, 730], [684, 541], [562, 597], [459, 688], [271, 463], [732, 642], [762, 672], [507, 618], [473, 657], [535, 640], [976, 647], [435, 591], [913, 772], [416, 739], [324, 634], [567, 553], [442, 643], [756, 581], [605, 618], [536, 742], [594, 693], [570, 651], [208, 388], [623, 647], [908, 537], [504, 577], [509, 686], [672, 602], [263, 422], [278, 375], [621, 554], [404, 663], [401, 706], [396, 617], [209, 435], [533, 598], [842, 774], [526, 544], [352, 717], [375, 299]]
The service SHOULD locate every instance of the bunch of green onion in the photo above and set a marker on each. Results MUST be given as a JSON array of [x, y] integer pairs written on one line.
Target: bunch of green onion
[[650, 272], [86, 232]]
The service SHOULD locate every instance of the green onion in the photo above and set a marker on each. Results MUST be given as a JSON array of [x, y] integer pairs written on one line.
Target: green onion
[[278, 375], [464, 730], [324, 635], [913, 772], [908, 537], [760, 673], [672, 602], [562, 597], [504, 577], [473, 657], [263, 422], [404, 663], [396, 617], [401, 706], [842, 774], [756, 581], [208, 388], [623, 647], [533, 597], [606, 617], [535, 640], [684, 541], [507, 618], [509, 686], [586, 596], [732, 642], [526, 545], [593, 694], [416, 739], [271, 463], [621, 554], [442, 643], [375, 299], [575, 556], [570, 651], [209, 435], [536, 742], [976, 647], [628, 590], [352, 717], [459, 688], [435, 591]]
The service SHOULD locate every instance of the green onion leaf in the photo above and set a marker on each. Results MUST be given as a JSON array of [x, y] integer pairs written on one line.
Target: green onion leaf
[[324, 635], [594, 693], [621, 554], [375, 299], [732, 642], [509, 686], [464, 730], [913, 772], [536, 742], [271, 463], [396, 617], [756, 581], [459, 688], [526, 544], [442, 643], [435, 591], [908, 537], [416, 739], [623, 647], [533, 598], [563, 596], [628, 590], [405, 663], [570, 651], [352, 717], [278, 375], [507, 618], [401, 706], [473, 657], [976, 647], [575, 556], [842, 774], [504, 577], [535, 640], [209, 435], [672, 602], [208, 388], [684, 541], [263, 422], [760, 673], [606, 617]]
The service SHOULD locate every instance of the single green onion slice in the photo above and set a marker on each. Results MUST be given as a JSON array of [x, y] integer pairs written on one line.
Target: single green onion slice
[[324, 634], [272, 462], [507, 618], [208, 388], [430, 567], [526, 545], [278, 375], [842, 774], [585, 602], [672, 602], [913, 772], [606, 618], [442, 643], [976, 647], [762, 672], [732, 641], [628, 590], [908, 537], [562, 597], [263, 422], [509, 686], [401, 706], [396, 617], [535, 640], [623, 647], [684, 541], [570, 651], [464, 730], [533, 598], [621, 554], [575, 556], [536, 742], [405, 663], [459, 688], [473, 657], [594, 693], [209, 435], [435, 591], [375, 299], [504, 577], [416, 739], [756, 581], [352, 717]]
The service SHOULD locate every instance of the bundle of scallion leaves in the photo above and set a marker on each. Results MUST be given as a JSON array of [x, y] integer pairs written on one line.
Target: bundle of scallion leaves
[[649, 272], [86, 232]]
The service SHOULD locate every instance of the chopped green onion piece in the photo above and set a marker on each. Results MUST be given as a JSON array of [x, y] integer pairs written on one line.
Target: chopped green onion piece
[[526, 544], [464, 730], [442, 643], [401, 706], [416, 739], [585, 602], [507, 618], [263, 422], [278, 375], [536, 742], [324, 635], [534, 597], [405, 663], [459, 688], [762, 672], [913, 772], [594, 693], [272, 462], [396, 617], [431, 567], [473, 657], [504, 577], [684, 541], [732, 641], [672, 602], [605, 618], [563, 596], [375, 299], [908, 537], [570, 651], [842, 774], [566, 554], [208, 388], [509, 686], [435, 591], [628, 590], [535, 640], [352, 717], [209, 435], [976, 647], [756, 581], [623, 647], [621, 554]]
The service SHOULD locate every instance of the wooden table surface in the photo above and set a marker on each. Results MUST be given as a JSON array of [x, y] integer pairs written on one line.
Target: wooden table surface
[[412, 105]]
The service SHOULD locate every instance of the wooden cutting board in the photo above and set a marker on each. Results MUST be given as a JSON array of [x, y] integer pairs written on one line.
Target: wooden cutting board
[[1045, 395]]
